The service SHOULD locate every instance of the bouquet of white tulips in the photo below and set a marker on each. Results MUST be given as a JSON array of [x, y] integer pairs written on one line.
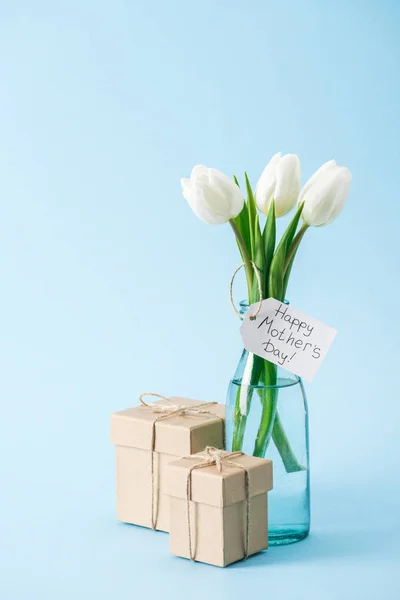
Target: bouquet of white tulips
[[216, 200]]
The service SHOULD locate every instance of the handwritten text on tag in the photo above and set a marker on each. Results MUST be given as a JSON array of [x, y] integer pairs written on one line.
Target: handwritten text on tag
[[287, 337]]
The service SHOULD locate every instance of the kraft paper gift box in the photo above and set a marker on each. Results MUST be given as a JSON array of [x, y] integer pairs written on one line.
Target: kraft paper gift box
[[140, 473], [228, 516]]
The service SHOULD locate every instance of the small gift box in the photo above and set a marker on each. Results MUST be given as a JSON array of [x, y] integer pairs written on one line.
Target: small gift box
[[147, 438], [218, 506]]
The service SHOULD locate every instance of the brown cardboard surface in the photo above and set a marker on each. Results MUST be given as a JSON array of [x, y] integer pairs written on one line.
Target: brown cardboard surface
[[219, 488], [178, 435], [131, 432], [218, 509], [133, 467]]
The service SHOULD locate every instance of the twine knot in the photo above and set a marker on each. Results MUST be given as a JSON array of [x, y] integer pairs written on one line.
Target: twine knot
[[170, 409], [218, 457]]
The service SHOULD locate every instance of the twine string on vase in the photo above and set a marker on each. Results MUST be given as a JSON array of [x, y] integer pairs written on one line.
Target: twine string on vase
[[165, 411], [219, 458], [257, 274]]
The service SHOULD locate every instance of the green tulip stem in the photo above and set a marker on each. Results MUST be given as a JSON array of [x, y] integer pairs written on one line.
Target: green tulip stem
[[239, 419], [281, 441], [294, 247], [269, 398], [245, 255]]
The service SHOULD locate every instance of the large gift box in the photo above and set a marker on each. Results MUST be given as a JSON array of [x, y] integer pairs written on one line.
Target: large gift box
[[218, 506], [147, 438]]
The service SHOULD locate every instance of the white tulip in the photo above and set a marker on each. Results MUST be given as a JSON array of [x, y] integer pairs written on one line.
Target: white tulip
[[212, 196], [280, 181], [325, 194]]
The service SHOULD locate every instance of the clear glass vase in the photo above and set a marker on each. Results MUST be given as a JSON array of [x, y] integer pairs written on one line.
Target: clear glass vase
[[267, 415]]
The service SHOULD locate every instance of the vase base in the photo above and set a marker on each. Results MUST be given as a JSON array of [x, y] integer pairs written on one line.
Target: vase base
[[283, 537]]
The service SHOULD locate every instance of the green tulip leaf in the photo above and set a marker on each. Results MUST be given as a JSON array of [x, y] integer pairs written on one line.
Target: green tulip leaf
[[252, 212], [269, 239], [287, 274], [259, 261], [276, 272], [242, 221], [292, 255]]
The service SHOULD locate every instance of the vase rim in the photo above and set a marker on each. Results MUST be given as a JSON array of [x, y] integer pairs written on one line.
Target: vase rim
[[244, 304], [284, 380]]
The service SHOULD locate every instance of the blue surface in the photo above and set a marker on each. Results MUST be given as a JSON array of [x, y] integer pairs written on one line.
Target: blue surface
[[111, 286]]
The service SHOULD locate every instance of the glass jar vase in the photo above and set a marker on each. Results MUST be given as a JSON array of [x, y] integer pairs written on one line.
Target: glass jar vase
[[267, 416]]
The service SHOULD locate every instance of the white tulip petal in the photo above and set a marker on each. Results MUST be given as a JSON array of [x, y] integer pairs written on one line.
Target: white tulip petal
[[265, 187], [206, 210], [232, 191], [237, 201], [194, 195], [317, 208], [200, 173], [212, 196], [195, 201], [186, 187], [326, 197], [343, 184], [321, 172], [288, 183], [216, 198], [264, 194], [219, 179]]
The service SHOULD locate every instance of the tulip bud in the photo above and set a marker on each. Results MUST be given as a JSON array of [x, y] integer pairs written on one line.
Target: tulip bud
[[325, 194], [280, 181], [212, 196]]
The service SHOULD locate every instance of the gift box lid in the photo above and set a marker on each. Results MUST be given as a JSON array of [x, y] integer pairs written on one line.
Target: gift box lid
[[218, 488], [177, 434]]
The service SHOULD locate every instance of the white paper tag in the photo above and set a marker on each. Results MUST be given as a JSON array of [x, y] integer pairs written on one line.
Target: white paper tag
[[287, 337]]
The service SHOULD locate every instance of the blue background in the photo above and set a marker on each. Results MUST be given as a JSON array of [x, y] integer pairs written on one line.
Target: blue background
[[110, 286]]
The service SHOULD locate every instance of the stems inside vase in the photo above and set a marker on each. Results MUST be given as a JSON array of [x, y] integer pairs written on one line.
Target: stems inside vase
[[271, 423], [269, 398], [246, 388], [263, 379], [281, 441]]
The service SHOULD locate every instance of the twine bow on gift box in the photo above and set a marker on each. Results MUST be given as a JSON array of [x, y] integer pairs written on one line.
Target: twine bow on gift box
[[165, 411], [221, 459]]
